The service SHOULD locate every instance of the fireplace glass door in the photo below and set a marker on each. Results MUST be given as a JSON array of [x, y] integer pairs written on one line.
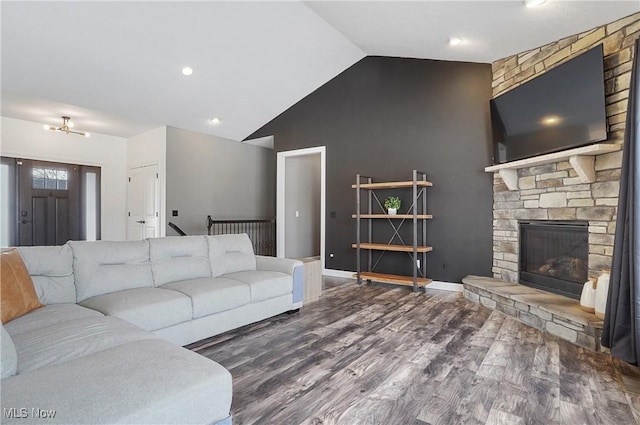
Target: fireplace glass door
[[554, 256]]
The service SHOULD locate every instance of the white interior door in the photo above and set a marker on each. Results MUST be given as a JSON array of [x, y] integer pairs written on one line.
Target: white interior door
[[143, 217]]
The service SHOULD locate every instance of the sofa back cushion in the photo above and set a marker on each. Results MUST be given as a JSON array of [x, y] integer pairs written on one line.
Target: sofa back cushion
[[51, 269], [102, 267], [230, 254], [178, 258]]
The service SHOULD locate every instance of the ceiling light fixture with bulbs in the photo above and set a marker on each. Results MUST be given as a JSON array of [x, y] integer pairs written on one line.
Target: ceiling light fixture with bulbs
[[214, 121], [66, 127], [455, 41], [186, 71]]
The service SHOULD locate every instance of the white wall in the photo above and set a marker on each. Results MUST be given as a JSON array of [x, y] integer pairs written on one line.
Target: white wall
[[209, 175], [25, 139], [147, 149]]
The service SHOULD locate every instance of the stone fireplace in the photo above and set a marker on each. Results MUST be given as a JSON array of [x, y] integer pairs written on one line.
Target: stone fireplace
[[554, 193], [551, 232], [562, 190], [553, 227], [580, 189]]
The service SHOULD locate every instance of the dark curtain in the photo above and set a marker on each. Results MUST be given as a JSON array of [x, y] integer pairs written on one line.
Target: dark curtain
[[621, 330]]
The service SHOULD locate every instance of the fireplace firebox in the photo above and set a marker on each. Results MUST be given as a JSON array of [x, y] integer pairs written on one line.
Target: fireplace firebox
[[554, 256]]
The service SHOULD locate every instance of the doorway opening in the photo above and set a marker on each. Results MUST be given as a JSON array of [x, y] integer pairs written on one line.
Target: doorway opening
[[300, 225], [48, 203]]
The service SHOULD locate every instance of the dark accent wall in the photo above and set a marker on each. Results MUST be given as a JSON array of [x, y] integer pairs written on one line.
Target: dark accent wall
[[384, 117]]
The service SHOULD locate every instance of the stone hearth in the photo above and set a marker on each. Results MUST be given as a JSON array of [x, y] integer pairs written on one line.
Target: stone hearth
[[551, 313]]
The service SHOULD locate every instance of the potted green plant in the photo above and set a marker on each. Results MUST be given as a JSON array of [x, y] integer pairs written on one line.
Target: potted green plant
[[392, 204]]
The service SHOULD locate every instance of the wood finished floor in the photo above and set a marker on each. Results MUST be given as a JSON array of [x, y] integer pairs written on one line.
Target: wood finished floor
[[384, 355]]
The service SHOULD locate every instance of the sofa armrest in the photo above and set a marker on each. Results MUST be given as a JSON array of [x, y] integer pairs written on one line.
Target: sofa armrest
[[294, 268], [273, 264]]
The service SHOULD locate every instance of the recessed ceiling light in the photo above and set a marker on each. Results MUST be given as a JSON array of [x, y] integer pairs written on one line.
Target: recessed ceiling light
[[551, 120], [187, 71], [455, 41], [534, 3], [214, 121]]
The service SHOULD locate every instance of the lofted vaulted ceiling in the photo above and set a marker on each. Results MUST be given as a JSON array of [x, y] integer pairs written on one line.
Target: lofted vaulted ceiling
[[115, 66]]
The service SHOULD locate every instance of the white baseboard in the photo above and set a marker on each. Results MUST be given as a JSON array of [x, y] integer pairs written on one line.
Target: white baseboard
[[338, 273], [445, 286]]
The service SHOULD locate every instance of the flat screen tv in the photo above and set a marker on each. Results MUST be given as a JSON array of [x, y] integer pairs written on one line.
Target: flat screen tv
[[561, 109]]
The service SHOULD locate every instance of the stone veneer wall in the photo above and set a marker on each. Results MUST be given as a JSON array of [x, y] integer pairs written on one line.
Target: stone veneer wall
[[553, 191]]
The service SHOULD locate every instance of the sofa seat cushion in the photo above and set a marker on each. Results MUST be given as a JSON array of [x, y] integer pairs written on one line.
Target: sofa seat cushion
[[72, 339], [49, 315], [149, 308], [145, 382], [264, 284], [213, 295], [8, 354]]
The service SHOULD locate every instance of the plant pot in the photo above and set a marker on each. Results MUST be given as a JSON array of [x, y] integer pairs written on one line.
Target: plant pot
[[392, 211]]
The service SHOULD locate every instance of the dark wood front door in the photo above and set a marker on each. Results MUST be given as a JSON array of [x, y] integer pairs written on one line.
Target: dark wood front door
[[48, 203]]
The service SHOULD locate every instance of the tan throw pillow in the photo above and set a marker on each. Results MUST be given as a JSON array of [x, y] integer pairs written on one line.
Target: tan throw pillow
[[17, 294]]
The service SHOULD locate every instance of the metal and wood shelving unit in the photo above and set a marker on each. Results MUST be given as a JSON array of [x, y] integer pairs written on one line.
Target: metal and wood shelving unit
[[416, 214]]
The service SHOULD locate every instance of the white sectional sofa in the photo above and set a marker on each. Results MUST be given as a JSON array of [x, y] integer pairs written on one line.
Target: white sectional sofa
[[106, 347]]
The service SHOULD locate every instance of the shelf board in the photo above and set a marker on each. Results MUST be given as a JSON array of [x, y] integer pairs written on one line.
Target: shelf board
[[392, 278], [403, 216], [392, 185], [385, 247]]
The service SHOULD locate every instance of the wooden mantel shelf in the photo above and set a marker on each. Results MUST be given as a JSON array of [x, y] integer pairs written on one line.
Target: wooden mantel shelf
[[581, 159]]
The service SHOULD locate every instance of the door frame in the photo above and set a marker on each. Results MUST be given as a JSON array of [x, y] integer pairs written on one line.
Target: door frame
[[280, 192], [19, 180]]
